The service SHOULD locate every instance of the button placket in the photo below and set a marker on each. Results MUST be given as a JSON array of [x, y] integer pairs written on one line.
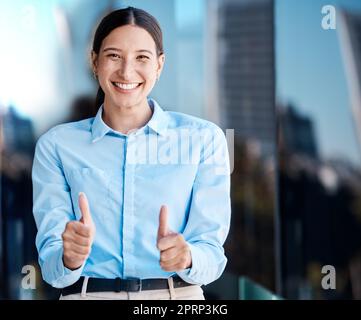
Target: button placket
[[128, 210]]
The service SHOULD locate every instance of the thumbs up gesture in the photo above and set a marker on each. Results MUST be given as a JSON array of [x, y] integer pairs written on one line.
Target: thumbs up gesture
[[78, 237], [175, 253]]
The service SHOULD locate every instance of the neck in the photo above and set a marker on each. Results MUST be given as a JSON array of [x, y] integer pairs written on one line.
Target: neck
[[126, 119]]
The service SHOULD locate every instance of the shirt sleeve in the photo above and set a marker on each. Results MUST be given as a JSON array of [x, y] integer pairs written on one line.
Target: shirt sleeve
[[210, 211], [52, 209]]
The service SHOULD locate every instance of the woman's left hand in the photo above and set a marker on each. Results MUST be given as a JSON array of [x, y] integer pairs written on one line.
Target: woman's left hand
[[175, 254]]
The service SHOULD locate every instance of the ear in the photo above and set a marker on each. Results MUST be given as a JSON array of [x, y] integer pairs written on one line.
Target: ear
[[161, 60], [94, 61]]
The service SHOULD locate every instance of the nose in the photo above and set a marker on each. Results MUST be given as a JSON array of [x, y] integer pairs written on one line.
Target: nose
[[126, 70]]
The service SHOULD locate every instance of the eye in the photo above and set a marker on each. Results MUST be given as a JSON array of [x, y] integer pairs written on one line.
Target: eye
[[142, 58], [113, 56]]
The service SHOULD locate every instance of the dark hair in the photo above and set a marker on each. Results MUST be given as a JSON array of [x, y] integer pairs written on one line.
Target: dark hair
[[120, 18]]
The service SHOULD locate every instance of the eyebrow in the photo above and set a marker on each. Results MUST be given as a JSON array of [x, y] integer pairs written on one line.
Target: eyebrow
[[119, 50]]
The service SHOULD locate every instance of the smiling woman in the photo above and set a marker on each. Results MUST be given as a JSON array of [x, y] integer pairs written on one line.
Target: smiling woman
[[109, 225], [127, 62]]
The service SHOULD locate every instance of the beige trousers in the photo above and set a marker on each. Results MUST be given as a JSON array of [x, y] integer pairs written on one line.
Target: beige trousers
[[193, 292]]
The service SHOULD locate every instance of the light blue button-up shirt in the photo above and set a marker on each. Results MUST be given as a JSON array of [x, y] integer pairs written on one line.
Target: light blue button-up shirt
[[175, 159]]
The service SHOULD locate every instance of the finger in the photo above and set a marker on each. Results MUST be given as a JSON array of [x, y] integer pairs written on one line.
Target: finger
[[169, 254], [178, 266], [84, 209], [81, 229], [175, 268], [163, 222], [170, 241], [76, 248], [183, 256], [73, 256], [81, 240], [77, 239]]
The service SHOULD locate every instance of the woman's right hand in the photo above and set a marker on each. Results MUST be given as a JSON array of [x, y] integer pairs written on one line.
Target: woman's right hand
[[78, 237]]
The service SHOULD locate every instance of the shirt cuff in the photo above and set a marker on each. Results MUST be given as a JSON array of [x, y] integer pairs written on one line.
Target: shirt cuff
[[67, 276], [192, 274]]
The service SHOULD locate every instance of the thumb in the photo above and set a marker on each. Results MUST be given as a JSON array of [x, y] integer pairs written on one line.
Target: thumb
[[163, 222], [86, 217]]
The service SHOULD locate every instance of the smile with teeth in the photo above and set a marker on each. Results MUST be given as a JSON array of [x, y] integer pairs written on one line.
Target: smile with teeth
[[126, 86]]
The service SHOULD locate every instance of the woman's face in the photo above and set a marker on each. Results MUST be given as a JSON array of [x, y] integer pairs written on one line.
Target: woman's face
[[127, 66]]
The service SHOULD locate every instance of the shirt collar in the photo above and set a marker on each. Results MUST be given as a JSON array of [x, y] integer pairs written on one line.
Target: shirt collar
[[158, 122]]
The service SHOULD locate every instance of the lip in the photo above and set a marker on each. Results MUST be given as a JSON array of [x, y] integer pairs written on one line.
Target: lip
[[126, 90]]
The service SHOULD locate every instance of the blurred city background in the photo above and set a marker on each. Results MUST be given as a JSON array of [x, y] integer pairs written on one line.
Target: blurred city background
[[290, 88]]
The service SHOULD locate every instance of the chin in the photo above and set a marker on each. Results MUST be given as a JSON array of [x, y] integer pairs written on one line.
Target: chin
[[128, 103]]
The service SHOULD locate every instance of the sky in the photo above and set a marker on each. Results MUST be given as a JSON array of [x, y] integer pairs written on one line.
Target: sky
[[310, 73]]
